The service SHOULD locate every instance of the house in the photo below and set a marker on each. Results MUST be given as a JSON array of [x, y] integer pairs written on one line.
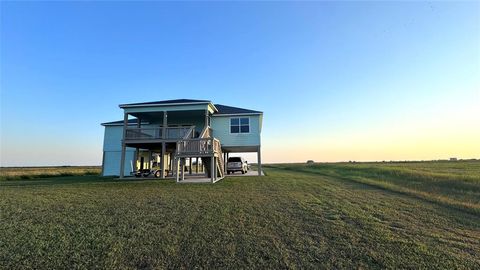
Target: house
[[174, 133]]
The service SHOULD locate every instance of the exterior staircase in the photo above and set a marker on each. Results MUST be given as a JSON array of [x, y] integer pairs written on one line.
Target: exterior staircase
[[218, 166], [207, 148]]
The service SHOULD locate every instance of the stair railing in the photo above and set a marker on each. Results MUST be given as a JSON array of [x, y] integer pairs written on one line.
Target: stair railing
[[189, 134], [206, 132]]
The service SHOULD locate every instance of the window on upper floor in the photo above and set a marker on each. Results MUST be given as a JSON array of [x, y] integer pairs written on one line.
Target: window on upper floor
[[240, 125]]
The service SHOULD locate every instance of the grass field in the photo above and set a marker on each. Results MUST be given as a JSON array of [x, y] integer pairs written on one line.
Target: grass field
[[15, 173], [365, 215]]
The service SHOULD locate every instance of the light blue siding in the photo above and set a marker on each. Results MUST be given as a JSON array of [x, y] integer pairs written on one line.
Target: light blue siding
[[112, 140], [112, 147], [221, 131], [111, 165]]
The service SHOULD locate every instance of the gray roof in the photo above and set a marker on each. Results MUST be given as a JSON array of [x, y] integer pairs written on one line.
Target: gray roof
[[223, 109], [166, 102]]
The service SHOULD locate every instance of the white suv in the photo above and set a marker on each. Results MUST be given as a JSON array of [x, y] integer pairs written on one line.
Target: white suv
[[237, 164]]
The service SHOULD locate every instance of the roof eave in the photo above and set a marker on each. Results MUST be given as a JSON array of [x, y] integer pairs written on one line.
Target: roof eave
[[213, 105], [234, 114], [123, 106], [121, 124]]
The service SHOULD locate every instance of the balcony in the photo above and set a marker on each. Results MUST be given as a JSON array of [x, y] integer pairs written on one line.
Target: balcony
[[156, 133], [199, 147]]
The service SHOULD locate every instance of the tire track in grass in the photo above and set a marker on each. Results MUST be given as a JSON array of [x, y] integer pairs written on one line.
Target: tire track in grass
[[347, 219], [388, 186]]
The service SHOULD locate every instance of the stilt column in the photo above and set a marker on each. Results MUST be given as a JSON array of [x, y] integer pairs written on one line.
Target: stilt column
[[259, 159], [122, 158]]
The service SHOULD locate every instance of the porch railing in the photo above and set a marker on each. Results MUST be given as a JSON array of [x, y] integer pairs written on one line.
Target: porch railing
[[190, 134], [206, 133], [156, 133], [200, 146]]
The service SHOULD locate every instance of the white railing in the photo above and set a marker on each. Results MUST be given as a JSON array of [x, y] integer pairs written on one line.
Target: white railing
[[201, 146], [143, 133], [217, 146], [206, 133], [190, 133], [221, 162], [156, 133]]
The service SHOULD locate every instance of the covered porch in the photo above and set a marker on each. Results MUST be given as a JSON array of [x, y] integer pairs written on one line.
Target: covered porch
[[158, 130]]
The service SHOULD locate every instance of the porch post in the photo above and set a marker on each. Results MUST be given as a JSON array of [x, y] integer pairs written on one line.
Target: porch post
[[196, 165], [190, 165], [162, 161], [164, 127], [212, 169], [122, 158], [137, 150], [206, 118], [183, 168], [177, 165], [259, 160], [224, 163], [149, 159]]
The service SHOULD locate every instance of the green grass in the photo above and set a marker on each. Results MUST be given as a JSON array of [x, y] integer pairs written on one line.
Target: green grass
[[17, 173], [391, 215], [454, 184]]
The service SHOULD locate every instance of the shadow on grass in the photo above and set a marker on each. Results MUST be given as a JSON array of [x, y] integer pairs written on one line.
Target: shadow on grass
[[400, 190], [66, 180]]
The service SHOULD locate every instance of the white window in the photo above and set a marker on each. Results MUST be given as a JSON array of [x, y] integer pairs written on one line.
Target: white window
[[240, 125]]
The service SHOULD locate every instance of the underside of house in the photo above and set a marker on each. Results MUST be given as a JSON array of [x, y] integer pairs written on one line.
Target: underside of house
[[172, 138]]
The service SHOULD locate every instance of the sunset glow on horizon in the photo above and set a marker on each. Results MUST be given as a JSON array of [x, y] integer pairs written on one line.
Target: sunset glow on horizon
[[359, 81]]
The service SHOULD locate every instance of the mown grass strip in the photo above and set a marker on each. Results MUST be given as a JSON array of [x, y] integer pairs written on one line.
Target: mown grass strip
[[400, 182]]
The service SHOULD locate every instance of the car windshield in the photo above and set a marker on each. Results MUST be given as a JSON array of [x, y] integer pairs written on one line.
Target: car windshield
[[234, 159]]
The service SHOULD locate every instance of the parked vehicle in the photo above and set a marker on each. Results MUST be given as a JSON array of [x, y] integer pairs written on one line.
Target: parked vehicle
[[155, 171], [237, 164]]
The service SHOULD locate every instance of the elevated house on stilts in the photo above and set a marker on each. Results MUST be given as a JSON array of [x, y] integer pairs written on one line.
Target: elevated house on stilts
[[175, 136]]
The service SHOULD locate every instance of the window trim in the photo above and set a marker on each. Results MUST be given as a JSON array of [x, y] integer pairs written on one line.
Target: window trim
[[239, 125]]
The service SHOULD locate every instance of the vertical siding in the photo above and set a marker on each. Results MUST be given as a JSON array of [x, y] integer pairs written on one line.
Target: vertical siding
[[112, 140], [221, 131], [112, 147], [112, 162]]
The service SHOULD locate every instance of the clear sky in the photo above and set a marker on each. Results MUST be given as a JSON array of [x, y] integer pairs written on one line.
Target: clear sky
[[336, 80]]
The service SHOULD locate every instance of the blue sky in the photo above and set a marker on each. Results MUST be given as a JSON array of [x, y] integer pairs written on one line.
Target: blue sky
[[350, 80]]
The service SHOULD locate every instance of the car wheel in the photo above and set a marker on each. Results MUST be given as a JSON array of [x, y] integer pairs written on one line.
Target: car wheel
[[157, 174]]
